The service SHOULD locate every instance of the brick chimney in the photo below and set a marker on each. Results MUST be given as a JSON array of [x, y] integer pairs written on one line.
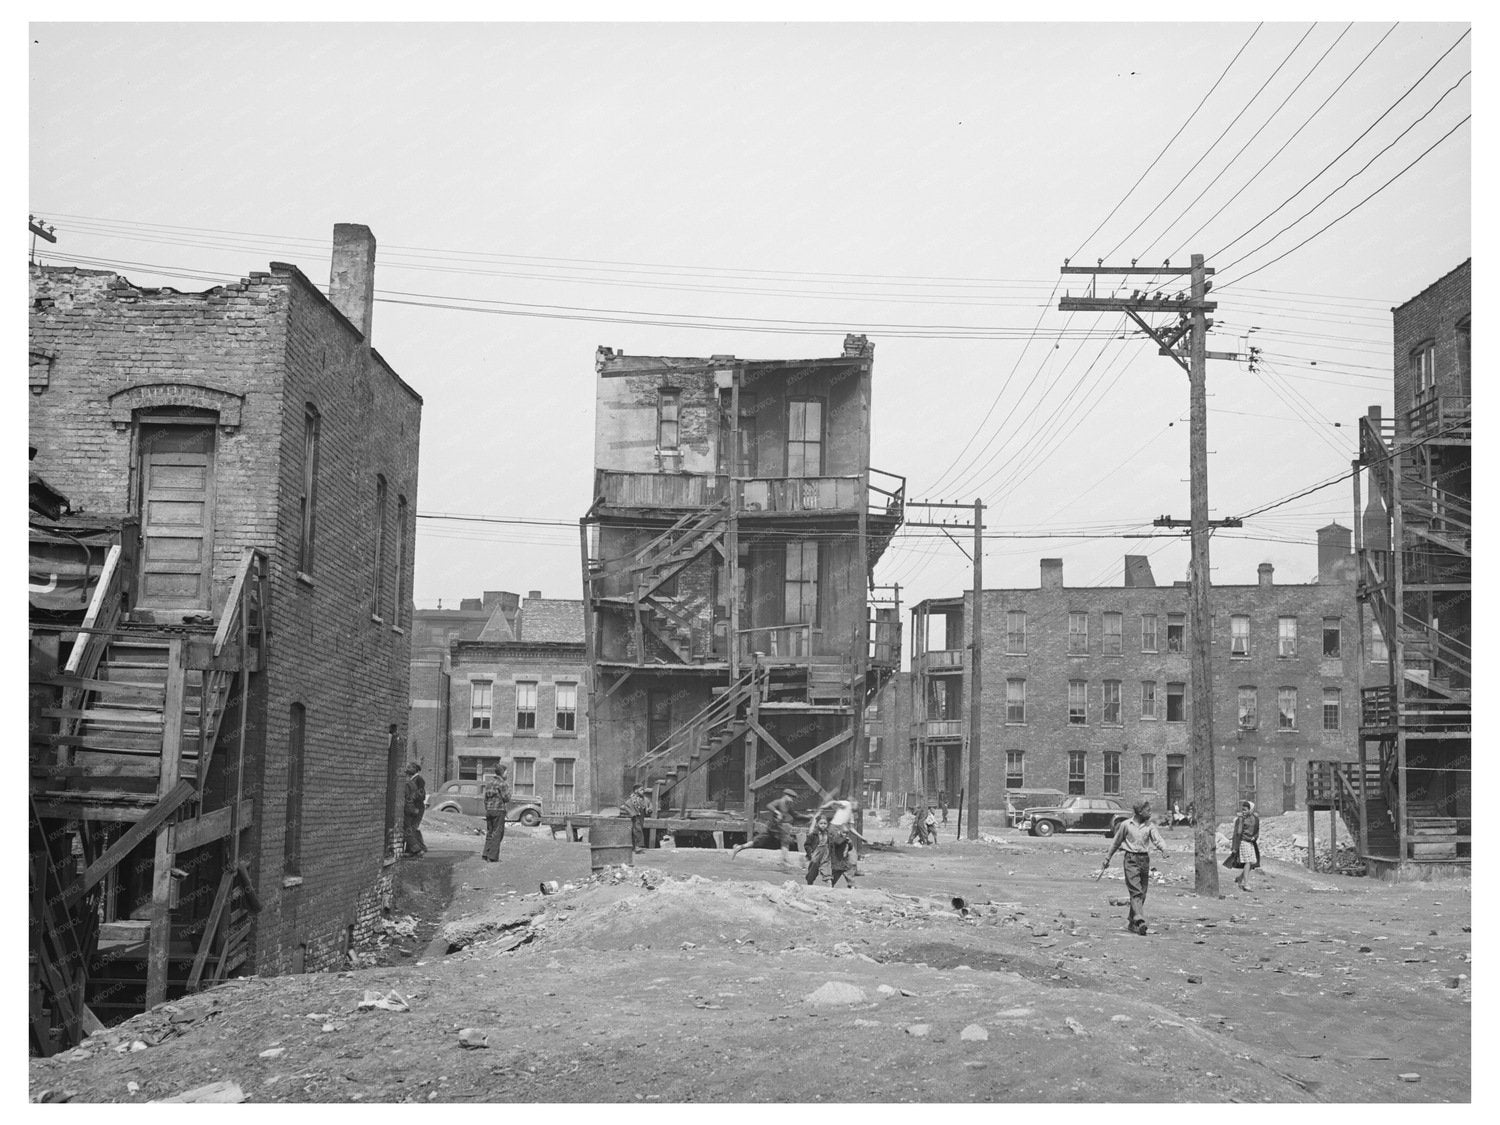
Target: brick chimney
[[1138, 571], [858, 346], [1265, 570], [1052, 574], [533, 595], [1335, 562], [351, 282]]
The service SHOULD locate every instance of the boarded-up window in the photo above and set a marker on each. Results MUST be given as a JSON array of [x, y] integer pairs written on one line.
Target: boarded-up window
[[801, 583], [804, 438]]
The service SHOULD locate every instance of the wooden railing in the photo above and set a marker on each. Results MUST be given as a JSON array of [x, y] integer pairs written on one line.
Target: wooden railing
[[884, 497], [657, 490], [716, 713], [243, 624], [942, 659], [1450, 415], [797, 494], [100, 620], [776, 644], [945, 728]]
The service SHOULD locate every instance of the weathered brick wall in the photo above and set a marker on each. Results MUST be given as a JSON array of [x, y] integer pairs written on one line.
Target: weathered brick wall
[[1046, 737], [503, 665], [1433, 314], [256, 352]]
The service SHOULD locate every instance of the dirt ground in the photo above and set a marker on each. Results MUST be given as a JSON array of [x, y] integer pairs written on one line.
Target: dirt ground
[[694, 977]]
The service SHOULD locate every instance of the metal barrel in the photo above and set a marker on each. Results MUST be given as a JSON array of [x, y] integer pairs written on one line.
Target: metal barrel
[[609, 842]]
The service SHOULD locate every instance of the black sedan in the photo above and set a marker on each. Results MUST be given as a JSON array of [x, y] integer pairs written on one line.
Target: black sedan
[[1074, 814]]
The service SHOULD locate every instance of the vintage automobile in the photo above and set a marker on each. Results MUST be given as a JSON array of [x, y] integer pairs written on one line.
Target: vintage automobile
[[1074, 814], [467, 797]]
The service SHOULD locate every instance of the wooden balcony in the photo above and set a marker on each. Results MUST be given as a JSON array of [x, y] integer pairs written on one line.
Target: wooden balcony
[[884, 500], [941, 661], [1442, 418]]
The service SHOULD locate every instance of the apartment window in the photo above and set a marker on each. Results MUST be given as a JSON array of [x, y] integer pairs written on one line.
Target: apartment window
[[1176, 703], [1111, 771], [1077, 760], [1288, 784], [378, 585], [1379, 653], [474, 768], [668, 411], [291, 845], [1239, 634], [1112, 715], [1148, 771], [1333, 640], [523, 783], [1148, 632], [1078, 634], [1015, 769], [398, 592], [1176, 632], [1015, 701], [1247, 778], [1286, 636], [1148, 699], [1015, 632], [562, 780], [525, 705], [802, 583], [1424, 371], [1078, 702], [308, 502], [875, 748], [567, 707], [1330, 708], [481, 704], [1286, 708], [804, 438], [1249, 708], [1114, 634]]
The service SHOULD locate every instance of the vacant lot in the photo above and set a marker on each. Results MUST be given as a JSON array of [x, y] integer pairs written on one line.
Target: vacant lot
[[694, 977]]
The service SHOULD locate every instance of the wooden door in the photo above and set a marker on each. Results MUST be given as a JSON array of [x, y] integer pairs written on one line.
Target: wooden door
[[177, 503]]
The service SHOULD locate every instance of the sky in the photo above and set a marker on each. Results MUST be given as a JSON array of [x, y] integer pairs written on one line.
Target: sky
[[760, 189]]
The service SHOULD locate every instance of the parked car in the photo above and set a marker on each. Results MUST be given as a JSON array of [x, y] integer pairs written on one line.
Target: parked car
[[467, 797], [1075, 814], [1017, 801]]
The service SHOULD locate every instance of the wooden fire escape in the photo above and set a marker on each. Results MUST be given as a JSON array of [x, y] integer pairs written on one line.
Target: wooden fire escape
[[137, 748], [1414, 548]]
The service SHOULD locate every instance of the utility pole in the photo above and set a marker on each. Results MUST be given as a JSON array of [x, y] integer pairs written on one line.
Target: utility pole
[[976, 682], [39, 229], [1185, 344]]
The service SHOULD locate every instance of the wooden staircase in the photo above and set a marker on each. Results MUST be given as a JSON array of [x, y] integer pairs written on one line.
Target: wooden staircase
[[701, 738]]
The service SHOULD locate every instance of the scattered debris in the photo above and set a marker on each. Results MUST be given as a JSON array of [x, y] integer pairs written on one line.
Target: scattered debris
[[1075, 1027], [392, 1001], [1410, 1077], [273, 1052], [472, 1037], [224, 1091], [919, 1030], [974, 1034]]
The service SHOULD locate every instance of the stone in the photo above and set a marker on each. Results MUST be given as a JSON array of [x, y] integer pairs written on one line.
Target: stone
[[1410, 1077], [1015, 1013], [1075, 1027], [834, 993], [919, 1030], [473, 1037], [887, 990], [273, 1052], [974, 1034], [1119, 1019]]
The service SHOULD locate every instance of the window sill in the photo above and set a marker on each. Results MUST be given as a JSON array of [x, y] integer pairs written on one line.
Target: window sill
[[481, 734], [376, 619], [565, 734], [291, 881], [305, 578], [524, 733], [400, 632]]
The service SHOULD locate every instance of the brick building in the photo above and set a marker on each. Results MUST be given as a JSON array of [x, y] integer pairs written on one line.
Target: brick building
[[433, 631], [519, 695], [1086, 689], [1408, 801], [729, 548], [230, 719]]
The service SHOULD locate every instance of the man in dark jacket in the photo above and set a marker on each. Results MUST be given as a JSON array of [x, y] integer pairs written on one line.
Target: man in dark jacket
[[496, 802], [414, 804]]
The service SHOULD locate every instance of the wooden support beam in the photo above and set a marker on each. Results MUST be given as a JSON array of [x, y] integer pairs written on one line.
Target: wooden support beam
[[200, 959], [822, 747], [209, 827], [787, 757], [122, 847], [159, 947]]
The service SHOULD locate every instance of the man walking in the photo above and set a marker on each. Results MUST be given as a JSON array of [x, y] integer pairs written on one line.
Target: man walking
[[635, 807], [1137, 835], [943, 805], [414, 804], [496, 802]]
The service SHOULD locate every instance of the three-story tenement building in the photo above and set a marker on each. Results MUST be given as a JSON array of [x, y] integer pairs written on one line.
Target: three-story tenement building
[[728, 555], [1086, 689], [518, 695], [1410, 802], [229, 734]]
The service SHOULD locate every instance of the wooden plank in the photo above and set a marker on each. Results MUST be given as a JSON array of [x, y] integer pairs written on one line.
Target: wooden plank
[[148, 824], [221, 899], [786, 757], [820, 748], [102, 592], [150, 693], [144, 721], [161, 872], [202, 830]]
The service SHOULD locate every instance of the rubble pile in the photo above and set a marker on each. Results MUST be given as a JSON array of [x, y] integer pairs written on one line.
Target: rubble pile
[[387, 936]]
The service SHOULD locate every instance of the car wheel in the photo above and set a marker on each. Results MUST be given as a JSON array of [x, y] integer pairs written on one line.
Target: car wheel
[[530, 818], [1043, 828], [446, 808]]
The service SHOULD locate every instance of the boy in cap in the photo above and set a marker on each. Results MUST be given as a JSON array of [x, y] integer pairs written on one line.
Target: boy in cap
[[778, 832], [496, 803], [1137, 835]]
